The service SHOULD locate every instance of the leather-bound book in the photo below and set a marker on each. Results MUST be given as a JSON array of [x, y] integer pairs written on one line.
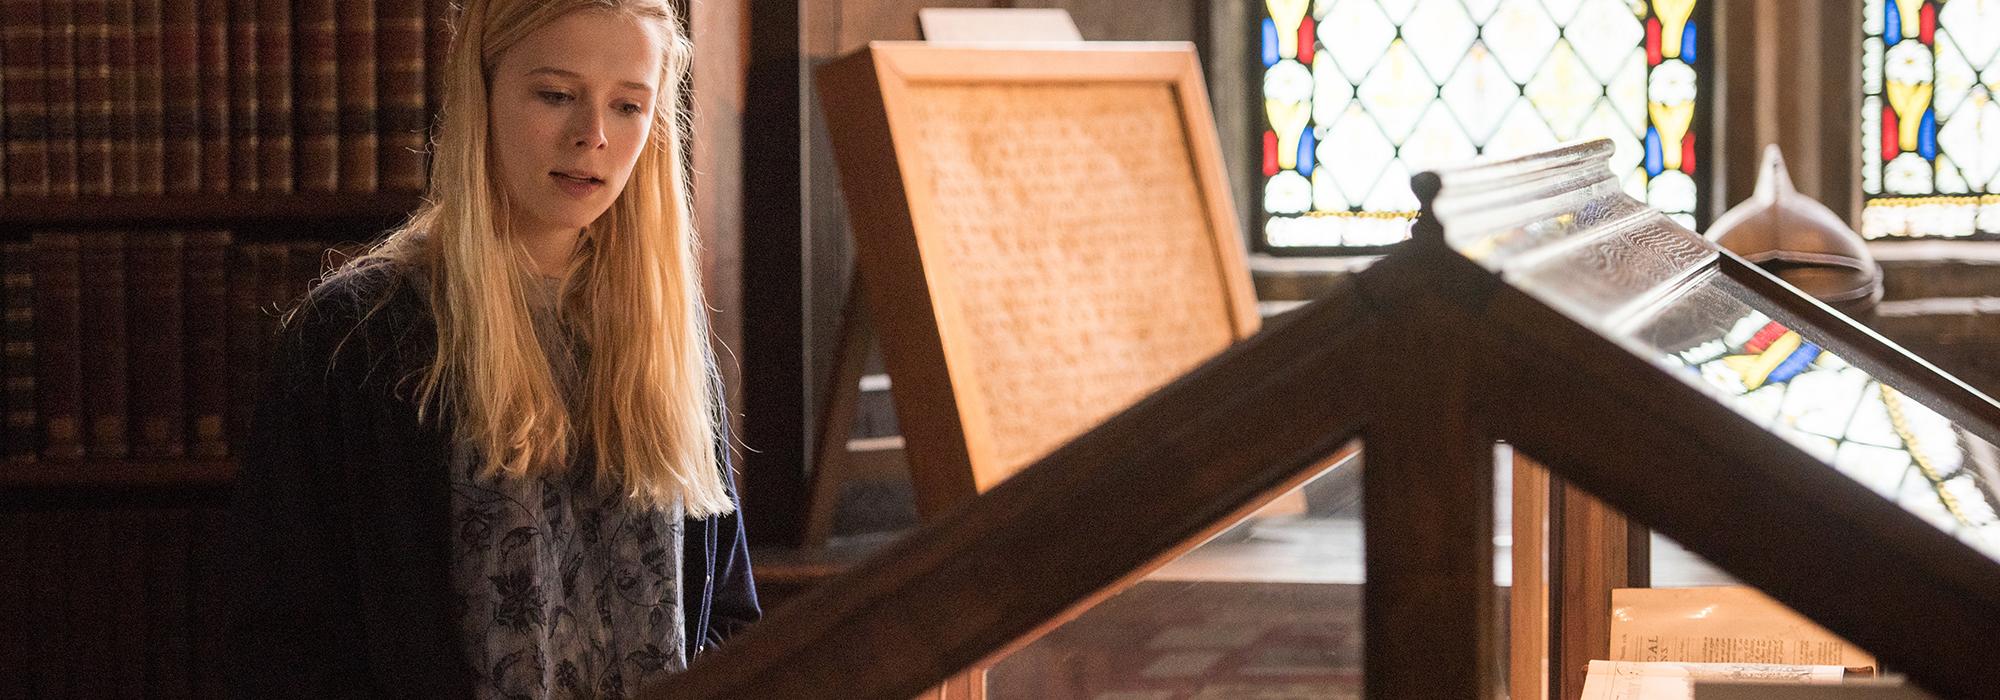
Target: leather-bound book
[[206, 319], [123, 52], [245, 162], [154, 274], [149, 75], [213, 52], [93, 97], [149, 98], [316, 97], [17, 364], [438, 18], [274, 95], [101, 325], [59, 89], [180, 87], [59, 371], [26, 109], [246, 336], [358, 140], [399, 33]]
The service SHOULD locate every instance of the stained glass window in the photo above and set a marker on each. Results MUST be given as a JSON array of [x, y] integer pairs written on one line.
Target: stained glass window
[[1930, 128], [1359, 94]]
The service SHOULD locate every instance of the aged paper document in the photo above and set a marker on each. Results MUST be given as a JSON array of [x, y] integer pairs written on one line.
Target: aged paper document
[[1722, 624], [1663, 680]]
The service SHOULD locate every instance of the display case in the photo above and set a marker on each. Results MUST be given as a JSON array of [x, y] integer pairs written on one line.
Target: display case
[[1539, 306]]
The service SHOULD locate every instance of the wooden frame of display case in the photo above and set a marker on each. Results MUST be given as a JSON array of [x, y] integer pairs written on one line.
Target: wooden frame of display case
[[1429, 356]]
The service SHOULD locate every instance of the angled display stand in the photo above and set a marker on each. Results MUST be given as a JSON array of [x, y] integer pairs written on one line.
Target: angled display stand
[[1018, 299], [1538, 305]]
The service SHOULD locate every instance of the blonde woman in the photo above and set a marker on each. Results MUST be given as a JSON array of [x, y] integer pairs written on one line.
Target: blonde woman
[[490, 460]]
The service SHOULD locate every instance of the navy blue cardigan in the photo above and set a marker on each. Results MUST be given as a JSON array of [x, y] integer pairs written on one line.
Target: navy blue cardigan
[[339, 554]]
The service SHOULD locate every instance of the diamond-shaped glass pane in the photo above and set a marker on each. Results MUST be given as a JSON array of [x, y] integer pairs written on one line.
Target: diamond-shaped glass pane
[[1361, 151], [1399, 10], [1356, 33], [1605, 123], [1972, 139], [1603, 34], [1438, 32], [1331, 93], [1520, 34], [1392, 193], [1563, 91], [1522, 131], [1481, 10], [1628, 91], [1480, 92], [1975, 26], [1954, 77], [1437, 141], [1398, 91], [1561, 10]]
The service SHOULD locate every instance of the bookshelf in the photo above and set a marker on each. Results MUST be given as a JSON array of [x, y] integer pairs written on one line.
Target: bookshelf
[[209, 209]]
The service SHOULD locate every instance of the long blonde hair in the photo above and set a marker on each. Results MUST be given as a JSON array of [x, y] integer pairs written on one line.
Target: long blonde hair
[[645, 404]]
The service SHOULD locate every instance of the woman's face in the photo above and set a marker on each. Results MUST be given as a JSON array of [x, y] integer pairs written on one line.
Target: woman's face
[[571, 106]]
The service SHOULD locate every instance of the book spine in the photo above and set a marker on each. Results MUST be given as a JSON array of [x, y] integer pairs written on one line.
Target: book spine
[[26, 115], [316, 96], [274, 95], [149, 106], [59, 373], [439, 25], [154, 271], [213, 51], [18, 333], [399, 31], [180, 82], [358, 140], [101, 329], [244, 159], [123, 53], [246, 336], [207, 332], [59, 81], [93, 97]]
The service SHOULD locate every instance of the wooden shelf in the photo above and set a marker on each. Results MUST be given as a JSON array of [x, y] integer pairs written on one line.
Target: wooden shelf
[[207, 208], [118, 474]]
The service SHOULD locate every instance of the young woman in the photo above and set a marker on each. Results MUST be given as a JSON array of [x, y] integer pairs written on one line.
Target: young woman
[[491, 459]]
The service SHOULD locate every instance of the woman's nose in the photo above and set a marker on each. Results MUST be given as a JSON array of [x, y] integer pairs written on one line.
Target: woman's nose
[[588, 131]]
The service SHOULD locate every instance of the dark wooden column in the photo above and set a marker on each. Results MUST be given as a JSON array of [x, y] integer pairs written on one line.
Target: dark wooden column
[[1427, 493]]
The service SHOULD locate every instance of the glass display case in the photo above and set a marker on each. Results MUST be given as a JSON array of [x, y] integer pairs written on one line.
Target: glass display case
[[1537, 305]]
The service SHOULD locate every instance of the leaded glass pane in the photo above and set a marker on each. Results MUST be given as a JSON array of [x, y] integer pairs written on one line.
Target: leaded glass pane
[[1358, 94], [1930, 125]]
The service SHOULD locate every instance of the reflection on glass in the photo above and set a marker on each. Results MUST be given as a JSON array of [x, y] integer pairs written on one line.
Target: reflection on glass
[[1779, 378]]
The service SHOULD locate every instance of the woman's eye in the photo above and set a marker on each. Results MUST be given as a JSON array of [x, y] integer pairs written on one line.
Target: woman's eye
[[630, 108], [553, 97]]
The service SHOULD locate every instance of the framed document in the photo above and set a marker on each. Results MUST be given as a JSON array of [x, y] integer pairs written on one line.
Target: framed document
[[1044, 237]]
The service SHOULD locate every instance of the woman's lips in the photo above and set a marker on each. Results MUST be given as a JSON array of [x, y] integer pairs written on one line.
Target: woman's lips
[[576, 186]]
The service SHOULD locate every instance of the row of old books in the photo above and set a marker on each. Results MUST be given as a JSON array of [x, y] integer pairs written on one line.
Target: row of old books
[[158, 97], [141, 344]]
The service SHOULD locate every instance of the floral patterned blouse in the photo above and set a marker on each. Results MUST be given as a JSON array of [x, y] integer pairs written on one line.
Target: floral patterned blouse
[[567, 588]]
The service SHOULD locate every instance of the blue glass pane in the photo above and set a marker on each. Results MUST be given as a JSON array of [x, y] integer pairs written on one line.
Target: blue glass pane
[[1270, 43], [1688, 42]]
